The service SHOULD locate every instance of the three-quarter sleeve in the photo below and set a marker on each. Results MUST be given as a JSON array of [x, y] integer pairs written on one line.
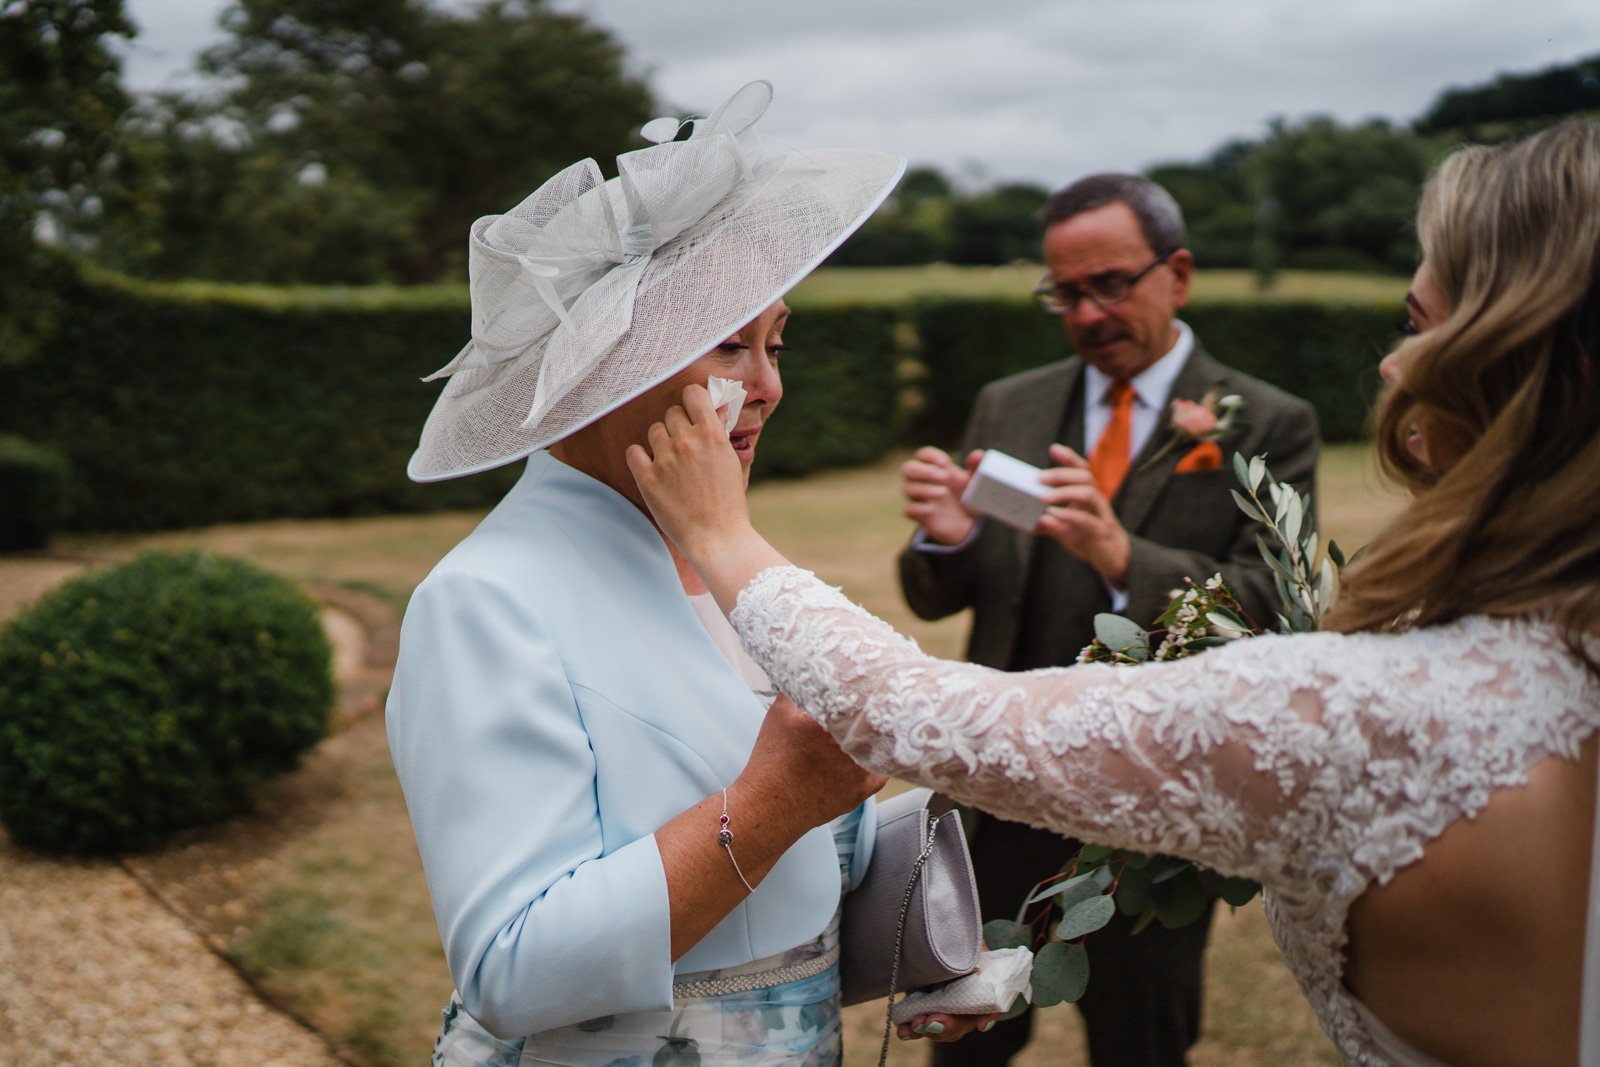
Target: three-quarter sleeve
[[542, 924]]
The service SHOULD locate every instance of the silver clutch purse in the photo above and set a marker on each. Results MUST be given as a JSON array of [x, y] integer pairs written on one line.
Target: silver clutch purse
[[913, 921]]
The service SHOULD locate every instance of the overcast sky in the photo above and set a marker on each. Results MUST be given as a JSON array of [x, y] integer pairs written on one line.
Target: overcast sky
[[1034, 90]]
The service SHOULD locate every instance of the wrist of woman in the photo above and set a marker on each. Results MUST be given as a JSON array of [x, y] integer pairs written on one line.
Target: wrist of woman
[[764, 814], [728, 563]]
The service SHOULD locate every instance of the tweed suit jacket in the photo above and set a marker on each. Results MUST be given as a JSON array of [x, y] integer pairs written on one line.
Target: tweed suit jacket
[[1179, 525]]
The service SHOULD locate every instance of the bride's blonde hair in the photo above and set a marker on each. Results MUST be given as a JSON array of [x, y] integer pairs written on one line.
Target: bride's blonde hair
[[1506, 390]]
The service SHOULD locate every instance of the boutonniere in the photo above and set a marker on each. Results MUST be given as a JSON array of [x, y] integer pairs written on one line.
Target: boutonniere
[[1200, 425]]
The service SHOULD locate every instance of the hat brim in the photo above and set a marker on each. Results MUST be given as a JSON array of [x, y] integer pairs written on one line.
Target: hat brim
[[697, 290]]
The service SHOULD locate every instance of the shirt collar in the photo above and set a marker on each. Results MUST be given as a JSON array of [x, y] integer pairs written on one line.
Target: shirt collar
[[1153, 384]]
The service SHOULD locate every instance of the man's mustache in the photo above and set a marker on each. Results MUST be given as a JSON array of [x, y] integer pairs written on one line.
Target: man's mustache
[[1101, 335]]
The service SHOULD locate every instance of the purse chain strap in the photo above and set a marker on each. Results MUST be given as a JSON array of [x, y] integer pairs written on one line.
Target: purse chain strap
[[900, 933]]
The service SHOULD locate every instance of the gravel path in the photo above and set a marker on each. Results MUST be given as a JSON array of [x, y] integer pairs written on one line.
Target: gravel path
[[94, 969]]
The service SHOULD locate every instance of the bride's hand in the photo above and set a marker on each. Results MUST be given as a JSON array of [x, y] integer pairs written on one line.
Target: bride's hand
[[690, 476], [693, 482]]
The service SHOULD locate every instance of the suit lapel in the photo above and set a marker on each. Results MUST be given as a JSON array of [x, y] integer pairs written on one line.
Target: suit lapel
[[1143, 484]]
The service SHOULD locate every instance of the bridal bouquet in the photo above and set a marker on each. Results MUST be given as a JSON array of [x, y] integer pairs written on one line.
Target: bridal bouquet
[[1099, 881]]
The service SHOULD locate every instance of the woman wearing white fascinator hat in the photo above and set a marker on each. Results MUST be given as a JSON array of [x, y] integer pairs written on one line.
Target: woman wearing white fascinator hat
[[572, 721]]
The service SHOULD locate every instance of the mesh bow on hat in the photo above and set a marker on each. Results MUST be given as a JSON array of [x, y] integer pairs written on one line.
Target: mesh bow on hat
[[590, 292]]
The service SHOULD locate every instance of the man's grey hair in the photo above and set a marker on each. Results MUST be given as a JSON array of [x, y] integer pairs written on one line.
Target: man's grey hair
[[1159, 216]]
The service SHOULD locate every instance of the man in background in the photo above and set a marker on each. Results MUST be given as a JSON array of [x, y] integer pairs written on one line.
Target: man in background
[[1137, 505]]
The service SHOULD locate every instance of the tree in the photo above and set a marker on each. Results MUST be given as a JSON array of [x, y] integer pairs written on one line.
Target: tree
[[911, 227], [1516, 100], [1220, 210], [385, 126], [998, 226], [1344, 197], [66, 176]]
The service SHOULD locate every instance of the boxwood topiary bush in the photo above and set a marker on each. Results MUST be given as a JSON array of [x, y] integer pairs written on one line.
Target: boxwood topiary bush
[[151, 696]]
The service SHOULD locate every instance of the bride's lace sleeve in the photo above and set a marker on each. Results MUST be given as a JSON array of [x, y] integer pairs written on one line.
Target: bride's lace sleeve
[[1241, 758]]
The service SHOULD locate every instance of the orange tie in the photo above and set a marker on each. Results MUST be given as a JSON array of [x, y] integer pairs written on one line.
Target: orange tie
[[1109, 460]]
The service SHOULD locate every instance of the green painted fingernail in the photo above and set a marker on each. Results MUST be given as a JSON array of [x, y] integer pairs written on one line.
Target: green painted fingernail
[[986, 1027], [933, 1028]]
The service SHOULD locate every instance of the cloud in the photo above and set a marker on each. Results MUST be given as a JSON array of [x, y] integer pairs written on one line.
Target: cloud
[[1038, 90]]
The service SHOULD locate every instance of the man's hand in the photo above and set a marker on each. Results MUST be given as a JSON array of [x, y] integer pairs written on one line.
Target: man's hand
[[1079, 518], [933, 484]]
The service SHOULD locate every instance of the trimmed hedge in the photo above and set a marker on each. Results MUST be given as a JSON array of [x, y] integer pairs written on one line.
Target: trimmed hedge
[[33, 486], [187, 405], [1327, 353], [180, 408], [152, 696], [841, 391]]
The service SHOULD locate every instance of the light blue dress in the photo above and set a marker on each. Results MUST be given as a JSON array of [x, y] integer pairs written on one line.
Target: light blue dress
[[795, 1024], [557, 699]]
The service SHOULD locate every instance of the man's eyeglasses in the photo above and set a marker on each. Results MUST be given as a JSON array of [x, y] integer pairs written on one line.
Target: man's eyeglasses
[[1105, 290]]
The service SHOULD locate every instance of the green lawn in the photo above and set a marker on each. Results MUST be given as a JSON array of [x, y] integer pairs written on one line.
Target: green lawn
[[842, 285], [342, 928]]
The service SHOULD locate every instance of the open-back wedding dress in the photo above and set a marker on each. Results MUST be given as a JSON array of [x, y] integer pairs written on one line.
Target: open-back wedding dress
[[1317, 764]]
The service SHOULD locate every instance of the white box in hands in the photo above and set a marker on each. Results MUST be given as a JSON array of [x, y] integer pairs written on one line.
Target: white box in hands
[[1007, 489]]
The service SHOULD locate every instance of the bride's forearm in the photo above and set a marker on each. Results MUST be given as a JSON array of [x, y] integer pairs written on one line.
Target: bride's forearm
[[727, 560]]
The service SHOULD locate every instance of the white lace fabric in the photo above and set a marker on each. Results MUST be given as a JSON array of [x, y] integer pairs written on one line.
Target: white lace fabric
[[1314, 764]]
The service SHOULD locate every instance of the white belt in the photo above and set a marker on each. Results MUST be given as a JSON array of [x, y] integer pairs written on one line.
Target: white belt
[[744, 983]]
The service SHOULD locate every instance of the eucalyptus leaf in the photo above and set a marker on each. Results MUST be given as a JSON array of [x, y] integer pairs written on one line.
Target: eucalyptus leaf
[[1055, 889], [1224, 619], [1258, 467], [1003, 933], [1018, 1006], [1281, 568], [1200, 644], [1060, 973], [1183, 906], [1292, 516], [1241, 469], [1095, 853], [1236, 892], [1085, 917], [1335, 553], [1133, 893], [1118, 633], [1247, 507], [1068, 896], [1172, 868]]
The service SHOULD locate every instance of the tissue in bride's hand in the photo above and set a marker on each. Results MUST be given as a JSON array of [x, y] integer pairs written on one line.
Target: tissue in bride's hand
[[1001, 977], [729, 392]]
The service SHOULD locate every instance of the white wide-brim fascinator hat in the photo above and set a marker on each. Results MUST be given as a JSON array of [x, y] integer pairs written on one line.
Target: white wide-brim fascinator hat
[[589, 292]]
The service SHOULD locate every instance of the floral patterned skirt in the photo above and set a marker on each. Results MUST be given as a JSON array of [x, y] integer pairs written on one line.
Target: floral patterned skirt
[[795, 1024]]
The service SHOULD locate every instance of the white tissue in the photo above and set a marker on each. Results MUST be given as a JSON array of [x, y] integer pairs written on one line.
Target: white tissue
[[1001, 977], [729, 392]]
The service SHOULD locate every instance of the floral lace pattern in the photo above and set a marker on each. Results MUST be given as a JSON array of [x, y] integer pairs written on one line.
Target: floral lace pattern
[[1316, 764]]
